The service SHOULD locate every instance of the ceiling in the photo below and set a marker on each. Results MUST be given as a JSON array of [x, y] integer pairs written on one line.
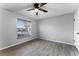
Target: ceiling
[[54, 9]]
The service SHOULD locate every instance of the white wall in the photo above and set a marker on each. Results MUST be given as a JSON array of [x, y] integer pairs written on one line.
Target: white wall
[[8, 29], [59, 29]]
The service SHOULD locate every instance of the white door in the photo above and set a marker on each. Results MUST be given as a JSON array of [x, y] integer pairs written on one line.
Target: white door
[[76, 30]]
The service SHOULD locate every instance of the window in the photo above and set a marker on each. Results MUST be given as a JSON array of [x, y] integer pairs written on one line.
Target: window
[[23, 28]]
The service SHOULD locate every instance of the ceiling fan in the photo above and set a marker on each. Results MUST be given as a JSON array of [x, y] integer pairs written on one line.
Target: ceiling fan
[[37, 7]]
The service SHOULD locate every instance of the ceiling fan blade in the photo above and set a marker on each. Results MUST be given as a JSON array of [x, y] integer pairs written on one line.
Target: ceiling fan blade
[[30, 9], [42, 4], [43, 10]]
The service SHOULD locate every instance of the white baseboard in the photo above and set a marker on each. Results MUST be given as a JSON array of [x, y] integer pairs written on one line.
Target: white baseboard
[[16, 44], [32, 39], [57, 41]]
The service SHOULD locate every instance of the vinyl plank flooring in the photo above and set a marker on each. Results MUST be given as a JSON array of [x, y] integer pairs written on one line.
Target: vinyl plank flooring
[[41, 47]]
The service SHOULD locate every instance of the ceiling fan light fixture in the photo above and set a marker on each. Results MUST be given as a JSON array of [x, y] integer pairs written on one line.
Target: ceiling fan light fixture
[[36, 10]]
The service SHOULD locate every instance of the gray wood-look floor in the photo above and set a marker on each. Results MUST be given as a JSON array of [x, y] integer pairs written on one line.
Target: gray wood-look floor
[[40, 47]]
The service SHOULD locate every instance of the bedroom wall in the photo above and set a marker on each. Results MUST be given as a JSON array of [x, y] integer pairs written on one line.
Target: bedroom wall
[[8, 29], [58, 29]]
